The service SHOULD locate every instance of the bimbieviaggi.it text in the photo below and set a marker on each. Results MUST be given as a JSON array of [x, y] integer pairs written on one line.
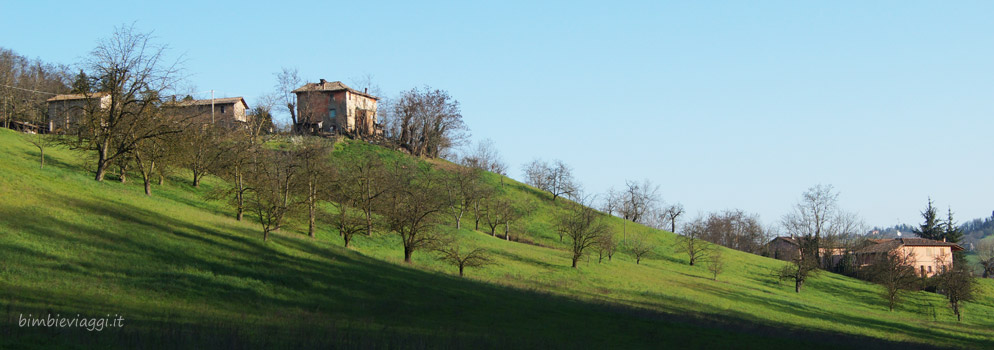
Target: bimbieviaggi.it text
[[91, 324]]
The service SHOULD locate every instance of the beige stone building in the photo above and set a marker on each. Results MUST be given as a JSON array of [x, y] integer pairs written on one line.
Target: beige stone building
[[63, 110], [333, 107], [927, 256], [225, 111]]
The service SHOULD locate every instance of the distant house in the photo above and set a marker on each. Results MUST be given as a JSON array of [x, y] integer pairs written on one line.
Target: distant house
[[789, 248], [333, 107], [929, 256], [63, 110], [225, 111]]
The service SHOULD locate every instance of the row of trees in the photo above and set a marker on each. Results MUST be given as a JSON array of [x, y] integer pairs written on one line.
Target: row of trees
[[25, 84]]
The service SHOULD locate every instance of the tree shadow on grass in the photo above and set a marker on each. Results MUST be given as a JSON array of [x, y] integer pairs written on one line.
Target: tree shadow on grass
[[184, 284]]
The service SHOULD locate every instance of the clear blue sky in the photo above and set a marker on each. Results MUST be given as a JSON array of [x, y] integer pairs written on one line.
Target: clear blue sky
[[725, 105]]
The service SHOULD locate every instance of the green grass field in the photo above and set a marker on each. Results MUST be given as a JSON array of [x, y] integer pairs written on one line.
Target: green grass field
[[185, 274]]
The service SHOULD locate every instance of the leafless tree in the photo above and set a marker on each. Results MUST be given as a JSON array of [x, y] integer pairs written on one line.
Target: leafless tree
[[451, 252], [316, 175], [640, 246], [735, 229], [716, 263], [200, 148], [957, 285], [486, 157], [584, 227], [132, 70], [41, 142], [555, 178], [238, 152], [413, 205], [673, 212], [363, 181], [802, 265], [985, 254], [430, 122], [287, 80], [606, 246], [691, 241], [812, 217], [636, 200], [463, 188], [271, 178], [895, 272]]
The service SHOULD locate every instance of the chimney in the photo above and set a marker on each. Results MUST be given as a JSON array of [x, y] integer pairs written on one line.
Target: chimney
[[943, 239], [365, 90], [323, 81]]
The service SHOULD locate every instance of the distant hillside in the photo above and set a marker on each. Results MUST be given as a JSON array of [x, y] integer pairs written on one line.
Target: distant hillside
[[185, 274]]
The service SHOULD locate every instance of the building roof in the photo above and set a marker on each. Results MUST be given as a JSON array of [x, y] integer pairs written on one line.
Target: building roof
[[70, 97], [886, 245], [331, 86], [207, 102]]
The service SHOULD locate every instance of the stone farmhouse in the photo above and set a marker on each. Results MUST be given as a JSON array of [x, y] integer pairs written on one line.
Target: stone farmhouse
[[64, 109], [334, 108], [230, 111], [928, 256]]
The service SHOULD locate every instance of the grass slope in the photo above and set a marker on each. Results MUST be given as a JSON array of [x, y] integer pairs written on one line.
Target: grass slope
[[185, 274]]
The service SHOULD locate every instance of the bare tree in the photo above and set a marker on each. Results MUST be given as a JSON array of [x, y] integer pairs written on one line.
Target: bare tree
[[463, 188], [584, 227], [957, 285], [451, 253], [287, 80], [430, 122], [486, 157], [271, 179], [555, 178], [413, 205], [802, 265], [639, 246], [673, 212], [364, 180], [691, 241], [606, 247], [895, 272], [812, 216], [716, 263], [132, 71], [41, 142], [316, 173], [199, 149], [985, 255], [238, 151]]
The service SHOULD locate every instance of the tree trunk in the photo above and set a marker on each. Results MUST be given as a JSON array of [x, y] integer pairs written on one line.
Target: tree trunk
[[102, 161], [507, 231], [797, 286], [407, 254], [369, 222], [311, 204], [460, 270], [459, 220], [196, 179], [265, 235], [239, 195], [124, 174], [575, 258], [42, 157]]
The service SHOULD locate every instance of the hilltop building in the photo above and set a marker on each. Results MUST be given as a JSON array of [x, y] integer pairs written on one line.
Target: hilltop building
[[334, 108]]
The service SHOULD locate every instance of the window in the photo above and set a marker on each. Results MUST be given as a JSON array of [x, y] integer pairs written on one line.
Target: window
[[929, 268], [923, 270], [222, 109]]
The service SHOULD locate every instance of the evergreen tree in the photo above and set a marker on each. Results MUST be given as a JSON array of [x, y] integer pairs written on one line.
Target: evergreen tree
[[82, 83], [932, 227], [953, 234]]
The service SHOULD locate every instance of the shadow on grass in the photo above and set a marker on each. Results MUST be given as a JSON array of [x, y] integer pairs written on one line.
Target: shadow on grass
[[185, 285]]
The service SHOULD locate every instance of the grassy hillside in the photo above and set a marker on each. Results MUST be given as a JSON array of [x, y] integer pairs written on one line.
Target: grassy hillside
[[184, 273]]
